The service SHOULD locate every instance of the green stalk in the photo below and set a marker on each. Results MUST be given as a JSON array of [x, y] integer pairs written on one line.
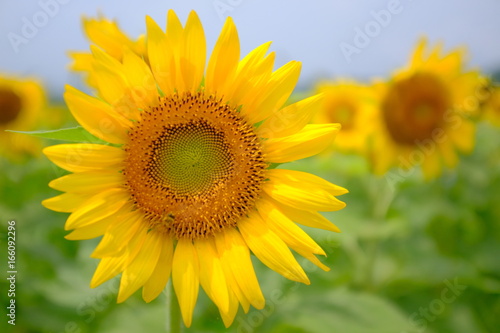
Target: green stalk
[[382, 197], [174, 324]]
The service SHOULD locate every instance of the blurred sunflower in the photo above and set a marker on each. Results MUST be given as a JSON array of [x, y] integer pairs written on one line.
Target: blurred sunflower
[[353, 106], [21, 104], [187, 185], [491, 107], [107, 35], [424, 113]]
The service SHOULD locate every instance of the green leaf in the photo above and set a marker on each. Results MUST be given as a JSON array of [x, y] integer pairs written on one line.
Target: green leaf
[[74, 134], [274, 165], [340, 310]]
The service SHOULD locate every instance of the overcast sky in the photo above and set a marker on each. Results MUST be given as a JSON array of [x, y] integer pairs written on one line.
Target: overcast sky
[[333, 39]]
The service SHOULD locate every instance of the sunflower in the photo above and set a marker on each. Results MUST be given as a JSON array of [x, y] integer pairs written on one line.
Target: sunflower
[[491, 106], [21, 104], [424, 113], [188, 185], [353, 105]]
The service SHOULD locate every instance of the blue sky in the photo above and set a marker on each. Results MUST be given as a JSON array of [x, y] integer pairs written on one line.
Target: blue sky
[[326, 36]]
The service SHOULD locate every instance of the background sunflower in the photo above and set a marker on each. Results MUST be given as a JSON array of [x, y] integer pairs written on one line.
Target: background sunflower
[[22, 107], [352, 105], [424, 113]]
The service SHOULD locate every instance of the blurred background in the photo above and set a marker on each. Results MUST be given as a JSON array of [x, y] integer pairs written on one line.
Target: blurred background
[[311, 32], [413, 255]]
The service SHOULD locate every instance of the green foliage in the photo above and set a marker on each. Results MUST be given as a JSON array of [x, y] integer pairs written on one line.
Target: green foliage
[[420, 258]]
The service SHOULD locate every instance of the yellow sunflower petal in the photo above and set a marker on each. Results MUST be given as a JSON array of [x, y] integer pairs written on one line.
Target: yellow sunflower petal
[[97, 208], [274, 94], [288, 231], [85, 156], [311, 140], [193, 54], [123, 85], [111, 83], [452, 63], [212, 276], [141, 268], [161, 57], [431, 166], [141, 84], [174, 35], [228, 317], [118, 235], [174, 31], [89, 231], [312, 258], [66, 202], [270, 248], [106, 34], [136, 243], [233, 287], [290, 119], [160, 276], [305, 217], [87, 182], [234, 251], [185, 277], [105, 60], [111, 87], [464, 137], [435, 55], [303, 190], [108, 268], [81, 61], [252, 73], [418, 54], [224, 59], [254, 57], [95, 116]]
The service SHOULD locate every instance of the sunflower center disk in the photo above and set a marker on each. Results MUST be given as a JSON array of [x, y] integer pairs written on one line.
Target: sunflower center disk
[[415, 107], [343, 112], [191, 158], [10, 106], [194, 166]]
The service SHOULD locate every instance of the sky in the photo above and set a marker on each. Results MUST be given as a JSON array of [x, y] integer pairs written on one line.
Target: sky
[[335, 39]]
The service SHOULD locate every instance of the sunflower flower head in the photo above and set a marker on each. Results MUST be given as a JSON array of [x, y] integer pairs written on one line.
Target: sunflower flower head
[[22, 103], [187, 186], [424, 113], [491, 106], [353, 106]]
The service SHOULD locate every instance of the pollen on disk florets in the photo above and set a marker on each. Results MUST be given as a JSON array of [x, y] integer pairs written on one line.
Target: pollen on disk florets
[[193, 165]]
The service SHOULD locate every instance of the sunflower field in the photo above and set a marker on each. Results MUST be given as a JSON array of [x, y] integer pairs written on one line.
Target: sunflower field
[[184, 181]]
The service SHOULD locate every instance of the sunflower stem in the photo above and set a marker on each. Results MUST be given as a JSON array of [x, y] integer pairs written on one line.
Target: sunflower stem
[[174, 324], [382, 197]]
